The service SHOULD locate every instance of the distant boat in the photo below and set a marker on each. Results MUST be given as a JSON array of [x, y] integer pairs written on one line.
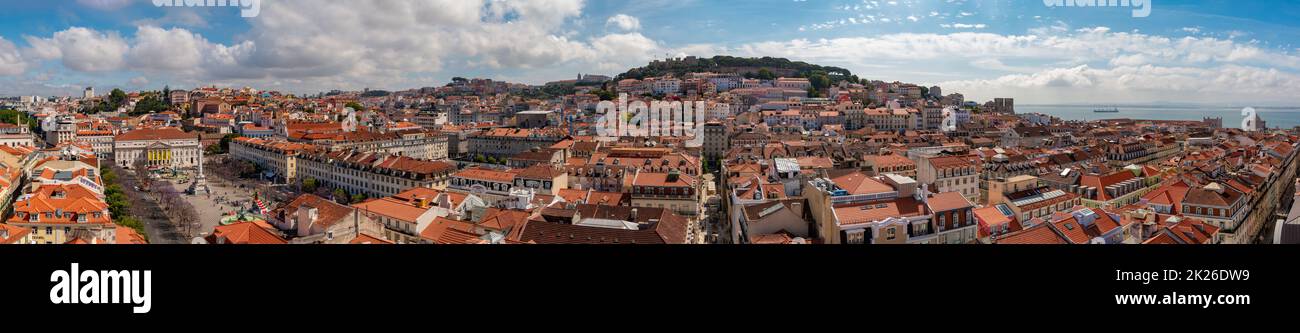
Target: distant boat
[[1104, 110]]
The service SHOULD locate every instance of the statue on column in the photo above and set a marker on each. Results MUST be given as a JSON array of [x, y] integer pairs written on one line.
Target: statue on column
[[200, 184]]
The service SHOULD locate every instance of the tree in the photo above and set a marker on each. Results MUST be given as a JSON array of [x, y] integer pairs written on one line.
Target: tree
[[309, 185], [359, 197], [149, 104], [225, 142], [355, 106], [341, 196], [142, 172], [12, 117], [117, 97], [765, 74], [167, 94], [107, 175], [605, 95], [820, 81]]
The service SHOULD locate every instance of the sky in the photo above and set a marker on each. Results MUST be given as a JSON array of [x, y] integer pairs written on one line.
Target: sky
[[1196, 52]]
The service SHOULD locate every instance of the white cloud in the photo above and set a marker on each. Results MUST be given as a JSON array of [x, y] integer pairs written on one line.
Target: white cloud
[[1057, 65], [1147, 83], [318, 45], [624, 22], [11, 61], [81, 49], [168, 50]]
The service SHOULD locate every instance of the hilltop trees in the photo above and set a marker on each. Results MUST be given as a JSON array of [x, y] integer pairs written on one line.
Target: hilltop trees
[[765, 68]]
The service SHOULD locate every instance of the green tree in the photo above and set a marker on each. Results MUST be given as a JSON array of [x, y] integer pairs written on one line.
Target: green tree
[[355, 106], [820, 81], [12, 117], [149, 104], [117, 97], [605, 95], [225, 142], [359, 197], [341, 196], [107, 175], [309, 185], [765, 74], [167, 94]]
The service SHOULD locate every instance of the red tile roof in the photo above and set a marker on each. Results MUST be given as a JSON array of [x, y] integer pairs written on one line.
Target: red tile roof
[[12, 234], [256, 232], [948, 201], [364, 239], [859, 213], [858, 183], [1039, 234], [328, 212], [486, 175], [446, 231], [169, 133]]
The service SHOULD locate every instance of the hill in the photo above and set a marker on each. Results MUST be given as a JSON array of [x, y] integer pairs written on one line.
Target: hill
[[760, 68]]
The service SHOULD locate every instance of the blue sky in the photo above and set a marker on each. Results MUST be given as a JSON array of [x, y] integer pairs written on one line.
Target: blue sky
[[1220, 52]]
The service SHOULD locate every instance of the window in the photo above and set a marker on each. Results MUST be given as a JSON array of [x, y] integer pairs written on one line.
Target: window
[[892, 233]]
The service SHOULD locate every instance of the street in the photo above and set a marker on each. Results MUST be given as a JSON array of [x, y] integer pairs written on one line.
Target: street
[[144, 208]]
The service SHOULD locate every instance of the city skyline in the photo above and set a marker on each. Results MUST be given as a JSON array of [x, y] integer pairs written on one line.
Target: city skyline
[[1209, 53]]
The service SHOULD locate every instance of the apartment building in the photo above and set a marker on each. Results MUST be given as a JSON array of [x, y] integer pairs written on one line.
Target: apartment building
[[506, 142], [1218, 205], [373, 174], [280, 158], [951, 174], [310, 219], [672, 190], [58, 214], [853, 208], [1027, 199], [419, 144], [492, 186], [404, 218]]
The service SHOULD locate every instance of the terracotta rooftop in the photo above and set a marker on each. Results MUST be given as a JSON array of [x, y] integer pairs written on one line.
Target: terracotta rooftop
[[328, 212], [256, 232], [858, 183], [486, 175], [169, 133]]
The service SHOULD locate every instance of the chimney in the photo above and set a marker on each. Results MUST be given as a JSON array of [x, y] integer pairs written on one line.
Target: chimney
[[633, 215], [306, 219]]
